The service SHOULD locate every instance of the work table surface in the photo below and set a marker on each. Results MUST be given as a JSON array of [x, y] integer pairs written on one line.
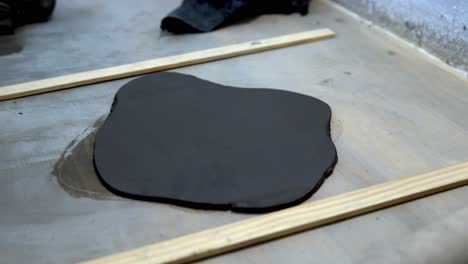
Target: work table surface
[[396, 112]]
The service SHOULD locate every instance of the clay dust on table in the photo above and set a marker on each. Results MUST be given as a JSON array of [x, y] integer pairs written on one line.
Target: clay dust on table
[[75, 169]]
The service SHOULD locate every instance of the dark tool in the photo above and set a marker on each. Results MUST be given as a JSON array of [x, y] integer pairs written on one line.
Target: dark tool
[[207, 15], [15, 13]]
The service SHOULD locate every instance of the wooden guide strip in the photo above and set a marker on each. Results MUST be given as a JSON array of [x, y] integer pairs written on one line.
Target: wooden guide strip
[[289, 221], [161, 64]]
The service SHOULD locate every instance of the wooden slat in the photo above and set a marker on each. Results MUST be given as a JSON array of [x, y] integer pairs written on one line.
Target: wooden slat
[[285, 222], [161, 64]]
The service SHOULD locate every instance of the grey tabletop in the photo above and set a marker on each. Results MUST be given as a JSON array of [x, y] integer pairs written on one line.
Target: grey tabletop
[[396, 113]]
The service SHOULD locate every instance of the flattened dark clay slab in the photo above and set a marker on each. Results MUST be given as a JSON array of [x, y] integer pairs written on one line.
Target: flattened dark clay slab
[[178, 139]]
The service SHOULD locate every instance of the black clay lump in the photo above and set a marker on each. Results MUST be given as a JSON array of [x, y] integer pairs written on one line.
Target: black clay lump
[[178, 139]]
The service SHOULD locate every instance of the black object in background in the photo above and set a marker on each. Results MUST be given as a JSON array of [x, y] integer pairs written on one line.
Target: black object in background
[[15, 13], [178, 139], [207, 15]]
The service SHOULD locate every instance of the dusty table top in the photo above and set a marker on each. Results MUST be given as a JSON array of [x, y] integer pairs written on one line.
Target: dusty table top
[[395, 113]]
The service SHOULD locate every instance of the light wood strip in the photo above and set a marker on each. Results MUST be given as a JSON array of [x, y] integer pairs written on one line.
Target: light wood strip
[[161, 64], [289, 221]]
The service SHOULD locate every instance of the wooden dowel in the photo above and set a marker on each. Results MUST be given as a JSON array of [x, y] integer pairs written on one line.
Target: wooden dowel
[[161, 64], [289, 221]]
